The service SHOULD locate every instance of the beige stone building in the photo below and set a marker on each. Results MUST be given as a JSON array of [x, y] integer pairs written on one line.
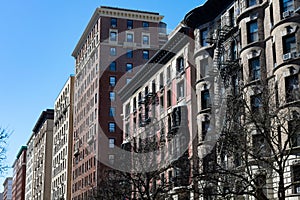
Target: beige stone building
[[42, 156], [29, 168], [62, 142]]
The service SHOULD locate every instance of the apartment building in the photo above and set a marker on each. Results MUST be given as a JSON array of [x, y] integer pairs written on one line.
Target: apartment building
[[19, 175], [7, 192], [252, 46], [41, 157], [29, 168], [158, 107], [112, 47], [62, 142]]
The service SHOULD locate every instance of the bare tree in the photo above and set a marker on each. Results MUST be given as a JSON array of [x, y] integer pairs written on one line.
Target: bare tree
[[259, 140], [4, 134]]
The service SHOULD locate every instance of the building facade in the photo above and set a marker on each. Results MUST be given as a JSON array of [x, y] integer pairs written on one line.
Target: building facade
[[7, 192], [42, 156], [111, 49], [29, 167], [19, 175], [62, 142], [158, 107], [252, 46]]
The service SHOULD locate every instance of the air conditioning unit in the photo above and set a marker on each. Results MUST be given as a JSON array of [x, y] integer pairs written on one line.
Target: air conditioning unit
[[287, 14], [287, 56]]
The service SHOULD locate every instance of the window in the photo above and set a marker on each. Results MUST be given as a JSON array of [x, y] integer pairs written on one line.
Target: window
[[180, 64], [203, 67], [146, 25], [111, 127], [205, 128], [161, 80], [180, 90], [129, 53], [112, 111], [289, 44], [129, 37], [169, 98], [113, 51], [251, 3], [112, 66], [287, 5], [169, 74], [113, 22], [112, 96], [111, 143], [145, 54], [233, 50], [256, 103], [113, 36], [112, 80], [231, 17], [259, 145], [205, 99], [252, 31], [294, 131], [145, 40], [292, 88], [127, 109], [203, 37], [129, 24], [129, 67], [296, 178], [254, 69], [111, 159]]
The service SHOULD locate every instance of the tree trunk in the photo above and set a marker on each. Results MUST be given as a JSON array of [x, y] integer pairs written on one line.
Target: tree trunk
[[281, 190]]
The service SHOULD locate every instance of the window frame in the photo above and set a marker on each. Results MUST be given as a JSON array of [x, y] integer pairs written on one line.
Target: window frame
[[111, 127], [112, 81], [113, 66], [254, 69], [129, 67], [252, 31]]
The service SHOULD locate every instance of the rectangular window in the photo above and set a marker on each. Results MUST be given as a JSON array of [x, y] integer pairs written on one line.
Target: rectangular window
[[146, 25], [204, 67], [129, 24], [294, 132], [112, 111], [161, 80], [251, 3], [113, 51], [129, 53], [169, 74], [112, 80], [254, 69], [111, 143], [260, 147], [289, 44], [180, 90], [113, 22], [111, 127], [256, 103], [112, 66], [205, 99], [296, 178], [252, 31], [203, 37], [112, 96], [145, 54], [111, 159], [292, 88], [161, 100], [205, 128], [180, 64], [169, 98], [145, 40], [113, 36], [129, 67], [129, 37]]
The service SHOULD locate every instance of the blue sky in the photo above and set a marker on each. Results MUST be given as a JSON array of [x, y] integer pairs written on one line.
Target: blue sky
[[37, 38]]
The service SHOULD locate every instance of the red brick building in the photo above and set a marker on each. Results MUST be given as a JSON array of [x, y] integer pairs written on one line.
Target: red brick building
[[111, 49], [19, 175]]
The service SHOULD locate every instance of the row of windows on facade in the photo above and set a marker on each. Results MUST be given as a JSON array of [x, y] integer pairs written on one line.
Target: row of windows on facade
[[86, 166], [114, 23], [129, 53], [252, 26], [86, 181], [113, 37]]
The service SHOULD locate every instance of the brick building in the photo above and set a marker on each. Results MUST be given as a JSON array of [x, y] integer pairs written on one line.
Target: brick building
[[7, 192], [19, 175], [111, 49]]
